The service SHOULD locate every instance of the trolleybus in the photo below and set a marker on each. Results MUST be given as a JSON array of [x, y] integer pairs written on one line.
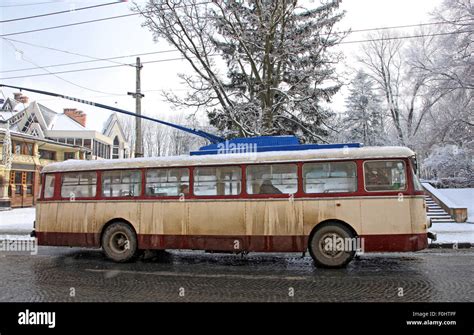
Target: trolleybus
[[280, 201]]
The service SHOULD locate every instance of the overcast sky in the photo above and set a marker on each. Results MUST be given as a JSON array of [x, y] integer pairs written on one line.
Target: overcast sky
[[125, 36]]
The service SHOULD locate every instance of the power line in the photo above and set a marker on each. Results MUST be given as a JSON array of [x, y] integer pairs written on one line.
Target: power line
[[399, 27], [31, 4], [90, 21], [51, 73], [64, 51], [407, 37], [70, 24], [181, 58], [91, 61], [89, 69], [203, 3], [60, 12]]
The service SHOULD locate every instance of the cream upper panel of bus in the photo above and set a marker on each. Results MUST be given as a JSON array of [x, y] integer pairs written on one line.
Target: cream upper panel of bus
[[244, 158]]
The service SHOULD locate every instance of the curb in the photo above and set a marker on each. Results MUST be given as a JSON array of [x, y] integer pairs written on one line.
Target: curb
[[451, 245]]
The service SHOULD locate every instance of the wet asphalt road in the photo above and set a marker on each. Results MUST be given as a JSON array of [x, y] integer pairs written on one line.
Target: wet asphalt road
[[75, 274]]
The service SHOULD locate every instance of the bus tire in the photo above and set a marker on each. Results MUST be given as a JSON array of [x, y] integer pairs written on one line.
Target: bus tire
[[325, 250], [119, 242]]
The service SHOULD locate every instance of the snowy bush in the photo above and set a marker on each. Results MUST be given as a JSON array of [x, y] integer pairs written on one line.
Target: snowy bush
[[451, 166]]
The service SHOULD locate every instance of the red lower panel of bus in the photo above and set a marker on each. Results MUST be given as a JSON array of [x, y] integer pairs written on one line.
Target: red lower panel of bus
[[371, 243]]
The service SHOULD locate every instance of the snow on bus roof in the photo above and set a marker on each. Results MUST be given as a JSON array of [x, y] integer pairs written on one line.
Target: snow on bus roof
[[235, 158]]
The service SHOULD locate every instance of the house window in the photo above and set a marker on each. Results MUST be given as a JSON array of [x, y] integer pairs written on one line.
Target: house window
[[18, 178], [69, 155], [47, 154], [87, 143], [17, 148], [29, 182], [115, 149], [31, 119], [28, 149]]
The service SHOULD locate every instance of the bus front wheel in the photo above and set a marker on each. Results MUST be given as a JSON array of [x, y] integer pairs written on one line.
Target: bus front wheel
[[328, 245], [119, 242]]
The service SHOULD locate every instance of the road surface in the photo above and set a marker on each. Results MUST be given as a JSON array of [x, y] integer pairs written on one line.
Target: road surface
[[76, 275]]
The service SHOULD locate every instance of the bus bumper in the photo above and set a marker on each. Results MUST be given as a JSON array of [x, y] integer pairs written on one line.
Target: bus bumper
[[432, 236]]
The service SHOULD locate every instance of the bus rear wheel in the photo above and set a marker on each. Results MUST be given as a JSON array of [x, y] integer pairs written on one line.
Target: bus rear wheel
[[119, 242], [328, 245]]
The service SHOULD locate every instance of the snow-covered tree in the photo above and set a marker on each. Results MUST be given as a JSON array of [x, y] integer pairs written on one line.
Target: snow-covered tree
[[276, 56], [451, 165], [363, 119], [450, 59]]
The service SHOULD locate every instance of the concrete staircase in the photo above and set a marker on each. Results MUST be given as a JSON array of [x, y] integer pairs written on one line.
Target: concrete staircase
[[436, 213]]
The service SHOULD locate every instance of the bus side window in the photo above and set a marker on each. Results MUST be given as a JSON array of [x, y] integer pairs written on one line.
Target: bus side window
[[225, 180], [121, 183], [272, 179], [332, 177], [79, 185], [167, 182], [384, 175], [49, 186]]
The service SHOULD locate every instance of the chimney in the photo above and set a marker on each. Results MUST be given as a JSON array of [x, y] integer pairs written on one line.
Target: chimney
[[18, 96], [76, 115]]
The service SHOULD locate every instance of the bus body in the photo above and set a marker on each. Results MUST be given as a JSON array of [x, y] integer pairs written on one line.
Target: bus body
[[273, 202]]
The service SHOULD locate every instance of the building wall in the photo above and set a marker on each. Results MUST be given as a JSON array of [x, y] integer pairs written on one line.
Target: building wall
[[20, 184]]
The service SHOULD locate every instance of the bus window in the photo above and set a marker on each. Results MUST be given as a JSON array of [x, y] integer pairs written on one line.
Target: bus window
[[384, 175], [329, 177], [272, 179], [224, 180], [167, 182], [121, 183], [78, 185], [416, 182], [49, 186]]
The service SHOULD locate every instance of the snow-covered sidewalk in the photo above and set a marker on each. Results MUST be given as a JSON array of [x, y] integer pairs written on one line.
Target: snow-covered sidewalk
[[454, 232], [17, 221], [462, 197], [20, 222]]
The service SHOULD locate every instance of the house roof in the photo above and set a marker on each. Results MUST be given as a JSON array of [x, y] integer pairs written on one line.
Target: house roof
[[14, 107], [64, 122], [48, 114]]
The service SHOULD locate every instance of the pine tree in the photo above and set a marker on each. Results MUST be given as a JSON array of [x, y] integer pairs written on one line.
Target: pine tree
[[279, 68], [363, 118]]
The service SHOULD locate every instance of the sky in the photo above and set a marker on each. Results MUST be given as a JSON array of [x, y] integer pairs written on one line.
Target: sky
[[125, 36]]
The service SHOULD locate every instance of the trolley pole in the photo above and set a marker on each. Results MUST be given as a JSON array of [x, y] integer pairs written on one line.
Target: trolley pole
[[138, 106]]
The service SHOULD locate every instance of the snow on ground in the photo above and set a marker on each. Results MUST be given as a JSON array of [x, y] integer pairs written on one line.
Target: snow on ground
[[453, 232], [462, 197], [20, 222], [17, 221]]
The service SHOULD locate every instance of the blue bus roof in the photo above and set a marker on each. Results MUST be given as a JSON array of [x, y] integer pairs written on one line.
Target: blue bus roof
[[266, 144]]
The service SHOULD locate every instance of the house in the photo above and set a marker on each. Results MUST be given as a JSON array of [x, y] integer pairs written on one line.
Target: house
[[32, 136]]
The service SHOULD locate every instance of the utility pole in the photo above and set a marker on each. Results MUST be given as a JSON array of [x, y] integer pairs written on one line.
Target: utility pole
[[138, 109]]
